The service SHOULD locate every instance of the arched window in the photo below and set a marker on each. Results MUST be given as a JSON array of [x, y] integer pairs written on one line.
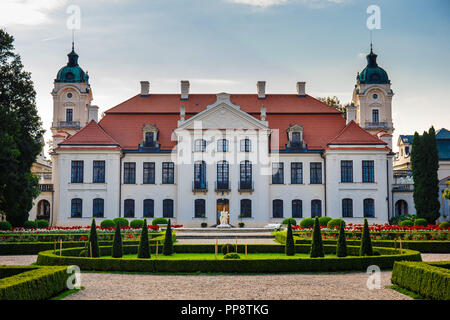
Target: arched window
[[128, 208], [246, 145], [223, 175], [168, 208], [246, 208], [149, 208], [98, 209], [316, 208], [200, 145], [369, 208], [297, 210], [222, 145], [347, 208], [199, 210], [277, 208], [77, 208], [245, 182]]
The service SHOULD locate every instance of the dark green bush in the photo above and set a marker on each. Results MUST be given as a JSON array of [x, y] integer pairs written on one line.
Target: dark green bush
[[5, 225], [137, 223], [335, 223], [122, 222], [42, 223], [30, 224], [117, 249], [406, 223], [420, 222], [168, 243], [94, 250], [366, 242], [228, 248], [307, 223], [316, 247], [144, 250], [341, 249], [107, 223], [159, 220], [445, 224], [241, 224], [323, 221], [291, 220], [398, 219], [290, 245], [232, 256], [203, 224]]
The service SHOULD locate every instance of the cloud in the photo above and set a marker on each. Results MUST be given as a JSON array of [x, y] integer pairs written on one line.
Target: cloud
[[27, 12], [269, 3]]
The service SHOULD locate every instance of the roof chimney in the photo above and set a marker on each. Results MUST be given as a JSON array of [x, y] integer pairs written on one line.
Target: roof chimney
[[261, 88], [184, 89], [92, 113], [301, 89], [351, 113], [145, 88]]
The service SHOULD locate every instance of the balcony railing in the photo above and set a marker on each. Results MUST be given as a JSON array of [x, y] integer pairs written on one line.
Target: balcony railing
[[223, 186], [69, 124], [402, 187], [377, 125], [246, 186], [46, 187], [199, 185], [402, 173]]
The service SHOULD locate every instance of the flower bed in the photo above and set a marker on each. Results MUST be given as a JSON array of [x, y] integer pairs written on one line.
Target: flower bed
[[385, 260]]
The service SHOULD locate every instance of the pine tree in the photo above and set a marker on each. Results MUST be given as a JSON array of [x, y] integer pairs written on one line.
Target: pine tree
[[341, 250], [290, 245], [93, 241], [117, 249], [168, 243], [144, 249], [418, 158], [432, 181], [366, 242], [317, 247]]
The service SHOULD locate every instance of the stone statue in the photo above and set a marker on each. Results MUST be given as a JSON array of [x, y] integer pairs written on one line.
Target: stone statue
[[224, 217]]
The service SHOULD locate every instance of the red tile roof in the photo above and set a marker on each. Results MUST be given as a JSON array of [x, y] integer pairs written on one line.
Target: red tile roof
[[91, 134], [354, 134]]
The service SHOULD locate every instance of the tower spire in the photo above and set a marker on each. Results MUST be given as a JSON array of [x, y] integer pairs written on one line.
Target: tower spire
[[73, 39]]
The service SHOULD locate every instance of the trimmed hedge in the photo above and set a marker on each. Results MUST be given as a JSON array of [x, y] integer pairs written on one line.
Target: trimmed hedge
[[324, 221], [41, 223], [30, 224], [429, 281], [307, 223], [291, 220], [119, 221], [335, 223], [32, 283], [5, 225], [137, 223], [159, 220], [420, 222], [107, 223], [384, 261]]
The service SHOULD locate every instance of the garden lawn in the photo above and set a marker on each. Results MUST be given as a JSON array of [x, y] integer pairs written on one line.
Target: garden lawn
[[211, 256]]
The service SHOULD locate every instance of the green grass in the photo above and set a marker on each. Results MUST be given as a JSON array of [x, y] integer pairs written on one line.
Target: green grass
[[211, 256], [66, 293], [406, 292]]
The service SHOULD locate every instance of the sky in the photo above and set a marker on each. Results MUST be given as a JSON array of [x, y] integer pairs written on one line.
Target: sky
[[228, 45]]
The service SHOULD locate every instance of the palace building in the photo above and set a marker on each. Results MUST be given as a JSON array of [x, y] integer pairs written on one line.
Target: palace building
[[262, 157]]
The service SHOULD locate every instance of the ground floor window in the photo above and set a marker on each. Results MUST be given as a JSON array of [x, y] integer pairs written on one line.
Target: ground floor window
[[199, 210], [149, 208], [168, 208], [277, 207], [98, 208], [369, 208], [129, 208], [246, 208], [316, 208], [77, 208], [297, 208], [347, 208]]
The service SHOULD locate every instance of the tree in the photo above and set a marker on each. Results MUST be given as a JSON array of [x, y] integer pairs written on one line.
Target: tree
[[94, 249], [316, 247], [341, 249], [144, 250], [290, 245], [335, 103], [366, 242], [168, 243], [446, 194], [20, 134], [117, 249]]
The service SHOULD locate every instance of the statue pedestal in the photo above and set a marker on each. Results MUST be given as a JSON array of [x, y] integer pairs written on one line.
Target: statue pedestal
[[223, 226]]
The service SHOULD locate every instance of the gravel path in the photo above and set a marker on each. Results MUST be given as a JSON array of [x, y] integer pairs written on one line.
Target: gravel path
[[435, 256], [18, 260]]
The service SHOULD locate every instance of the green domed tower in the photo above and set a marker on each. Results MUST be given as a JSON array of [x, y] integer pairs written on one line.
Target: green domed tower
[[72, 72]]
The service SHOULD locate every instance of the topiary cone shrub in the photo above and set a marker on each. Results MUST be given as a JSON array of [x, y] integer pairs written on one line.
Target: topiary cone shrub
[[168, 244], [117, 249], [290, 245], [94, 250], [341, 250], [316, 246], [366, 242], [144, 249]]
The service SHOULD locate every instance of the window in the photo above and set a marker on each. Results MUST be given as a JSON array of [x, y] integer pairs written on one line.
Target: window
[[316, 208], [222, 175], [200, 175], [128, 208], [296, 173], [69, 115], [168, 208], [297, 210], [346, 171], [347, 208], [149, 139], [316, 172], [246, 208], [277, 173], [129, 172], [167, 172], [375, 116], [277, 206], [406, 150], [149, 208], [200, 145], [99, 172], [368, 171], [98, 208], [246, 145], [199, 210], [77, 172], [77, 208], [149, 173], [245, 175], [69, 95], [222, 145], [369, 208]]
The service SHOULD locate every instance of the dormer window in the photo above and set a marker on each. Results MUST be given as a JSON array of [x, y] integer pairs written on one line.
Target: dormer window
[[295, 137], [150, 136]]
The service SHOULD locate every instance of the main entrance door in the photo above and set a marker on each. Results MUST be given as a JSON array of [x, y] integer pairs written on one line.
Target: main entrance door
[[222, 205]]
